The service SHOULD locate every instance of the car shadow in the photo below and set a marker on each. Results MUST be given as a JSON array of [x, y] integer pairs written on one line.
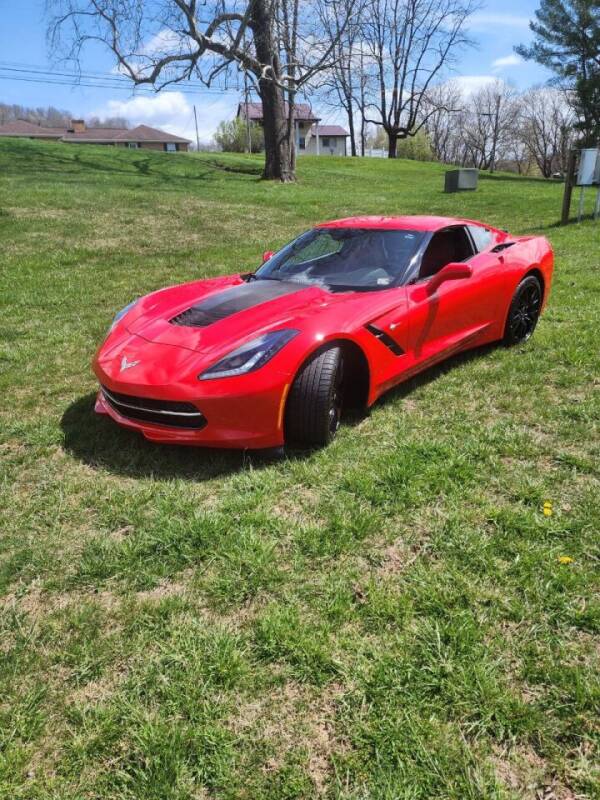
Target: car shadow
[[434, 372], [98, 442]]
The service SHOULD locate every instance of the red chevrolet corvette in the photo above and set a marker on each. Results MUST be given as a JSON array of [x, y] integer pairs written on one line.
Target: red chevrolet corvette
[[333, 320]]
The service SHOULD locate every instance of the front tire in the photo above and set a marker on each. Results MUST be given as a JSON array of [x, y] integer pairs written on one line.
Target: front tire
[[524, 311], [314, 406]]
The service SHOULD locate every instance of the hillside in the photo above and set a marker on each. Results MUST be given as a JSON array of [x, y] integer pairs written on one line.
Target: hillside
[[386, 618]]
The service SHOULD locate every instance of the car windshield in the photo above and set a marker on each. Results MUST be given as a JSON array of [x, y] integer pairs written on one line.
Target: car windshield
[[341, 259]]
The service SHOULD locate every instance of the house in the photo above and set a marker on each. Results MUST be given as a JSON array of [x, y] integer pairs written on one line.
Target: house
[[311, 137], [77, 133]]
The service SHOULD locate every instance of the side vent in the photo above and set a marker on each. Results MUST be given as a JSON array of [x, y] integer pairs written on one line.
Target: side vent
[[385, 339], [502, 246]]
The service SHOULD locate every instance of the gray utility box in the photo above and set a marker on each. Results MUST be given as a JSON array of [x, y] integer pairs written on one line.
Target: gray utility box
[[458, 180]]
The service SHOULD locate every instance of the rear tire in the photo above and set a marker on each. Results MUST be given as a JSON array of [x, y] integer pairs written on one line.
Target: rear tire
[[314, 406], [524, 311]]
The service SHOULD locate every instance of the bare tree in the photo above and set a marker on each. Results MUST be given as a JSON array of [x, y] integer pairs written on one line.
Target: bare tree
[[276, 42], [344, 84], [409, 43], [547, 128], [496, 126], [492, 122], [443, 109]]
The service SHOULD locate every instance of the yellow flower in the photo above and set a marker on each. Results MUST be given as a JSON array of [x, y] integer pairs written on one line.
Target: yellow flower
[[547, 508], [565, 560]]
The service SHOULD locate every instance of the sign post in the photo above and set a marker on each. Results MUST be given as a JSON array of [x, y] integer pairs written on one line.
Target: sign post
[[569, 181]]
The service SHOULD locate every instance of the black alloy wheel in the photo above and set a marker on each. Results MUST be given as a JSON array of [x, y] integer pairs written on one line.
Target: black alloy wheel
[[316, 400], [524, 311]]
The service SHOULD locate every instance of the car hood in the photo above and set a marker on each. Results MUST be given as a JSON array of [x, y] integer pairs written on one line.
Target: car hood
[[206, 315]]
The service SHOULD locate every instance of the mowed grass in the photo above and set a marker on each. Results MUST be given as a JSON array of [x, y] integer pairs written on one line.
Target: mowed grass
[[386, 618]]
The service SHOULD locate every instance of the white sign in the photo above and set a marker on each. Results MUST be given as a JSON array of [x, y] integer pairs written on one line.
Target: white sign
[[589, 167]]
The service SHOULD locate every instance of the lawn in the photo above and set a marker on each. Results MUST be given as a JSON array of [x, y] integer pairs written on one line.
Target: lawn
[[388, 618]]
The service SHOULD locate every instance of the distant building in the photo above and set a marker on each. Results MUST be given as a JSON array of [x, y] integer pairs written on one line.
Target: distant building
[[311, 137], [142, 136]]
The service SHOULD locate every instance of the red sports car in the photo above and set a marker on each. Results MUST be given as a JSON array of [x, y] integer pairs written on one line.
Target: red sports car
[[333, 320]]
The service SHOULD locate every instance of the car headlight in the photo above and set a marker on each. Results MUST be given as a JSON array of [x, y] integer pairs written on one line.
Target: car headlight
[[249, 356], [120, 314]]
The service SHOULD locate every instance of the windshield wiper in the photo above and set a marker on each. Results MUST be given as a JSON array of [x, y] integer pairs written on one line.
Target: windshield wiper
[[252, 276], [341, 287]]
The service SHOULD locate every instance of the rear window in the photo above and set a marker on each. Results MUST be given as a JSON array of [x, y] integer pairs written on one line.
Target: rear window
[[481, 236]]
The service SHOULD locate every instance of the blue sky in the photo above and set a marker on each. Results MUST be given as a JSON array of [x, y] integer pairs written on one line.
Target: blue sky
[[497, 28]]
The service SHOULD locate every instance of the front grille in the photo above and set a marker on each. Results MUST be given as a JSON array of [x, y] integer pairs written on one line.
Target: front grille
[[172, 413]]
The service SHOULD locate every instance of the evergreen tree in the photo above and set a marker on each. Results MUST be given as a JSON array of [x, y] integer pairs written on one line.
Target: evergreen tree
[[567, 41]]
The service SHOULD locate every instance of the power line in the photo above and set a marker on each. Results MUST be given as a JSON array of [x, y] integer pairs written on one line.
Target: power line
[[15, 66], [91, 80]]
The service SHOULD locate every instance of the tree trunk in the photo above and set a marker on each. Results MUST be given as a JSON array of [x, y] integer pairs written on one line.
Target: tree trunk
[[279, 163], [352, 135], [349, 112], [392, 144], [363, 132], [279, 146]]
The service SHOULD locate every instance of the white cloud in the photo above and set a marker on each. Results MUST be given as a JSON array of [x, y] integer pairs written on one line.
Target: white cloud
[[512, 60], [472, 83], [166, 41], [173, 112], [482, 21]]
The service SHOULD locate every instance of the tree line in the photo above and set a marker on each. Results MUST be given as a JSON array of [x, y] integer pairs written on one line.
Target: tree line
[[385, 62], [498, 127], [50, 117]]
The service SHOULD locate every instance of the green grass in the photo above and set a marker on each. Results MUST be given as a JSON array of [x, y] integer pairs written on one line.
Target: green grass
[[386, 618]]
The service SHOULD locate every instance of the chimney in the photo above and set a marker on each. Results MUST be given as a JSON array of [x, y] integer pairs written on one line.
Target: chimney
[[77, 125]]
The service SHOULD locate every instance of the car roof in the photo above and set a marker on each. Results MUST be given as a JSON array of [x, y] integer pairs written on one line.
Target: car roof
[[414, 223]]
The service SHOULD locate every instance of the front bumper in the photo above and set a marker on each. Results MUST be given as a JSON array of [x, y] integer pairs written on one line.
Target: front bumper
[[250, 419]]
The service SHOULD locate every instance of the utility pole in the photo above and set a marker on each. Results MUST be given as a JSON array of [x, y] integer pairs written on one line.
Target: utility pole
[[196, 121], [495, 139]]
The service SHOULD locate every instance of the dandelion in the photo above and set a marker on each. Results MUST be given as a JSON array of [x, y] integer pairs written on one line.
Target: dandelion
[[547, 508], [565, 560]]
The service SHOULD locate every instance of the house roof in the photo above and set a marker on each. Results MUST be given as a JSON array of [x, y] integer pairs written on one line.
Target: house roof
[[20, 127], [144, 133], [329, 130], [93, 135], [254, 111], [141, 133]]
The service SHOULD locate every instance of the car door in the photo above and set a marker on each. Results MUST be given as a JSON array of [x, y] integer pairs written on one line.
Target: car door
[[459, 311]]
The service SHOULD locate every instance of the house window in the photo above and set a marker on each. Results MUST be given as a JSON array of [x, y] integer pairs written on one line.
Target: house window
[[325, 141], [171, 147], [132, 144], [302, 143]]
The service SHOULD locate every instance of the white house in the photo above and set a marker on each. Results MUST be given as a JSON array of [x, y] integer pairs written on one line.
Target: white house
[[311, 137]]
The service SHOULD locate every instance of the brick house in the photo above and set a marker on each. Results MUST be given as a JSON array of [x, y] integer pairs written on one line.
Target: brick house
[[142, 136], [311, 137]]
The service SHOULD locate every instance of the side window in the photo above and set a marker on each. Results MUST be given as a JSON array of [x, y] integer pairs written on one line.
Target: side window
[[481, 236], [451, 244]]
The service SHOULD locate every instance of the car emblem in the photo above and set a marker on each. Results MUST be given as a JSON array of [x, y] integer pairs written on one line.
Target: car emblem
[[127, 364]]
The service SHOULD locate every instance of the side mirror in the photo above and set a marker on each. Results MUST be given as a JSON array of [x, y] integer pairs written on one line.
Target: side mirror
[[451, 272], [267, 255]]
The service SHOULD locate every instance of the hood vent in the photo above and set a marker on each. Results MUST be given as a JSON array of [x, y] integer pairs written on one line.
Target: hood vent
[[231, 301], [385, 339]]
